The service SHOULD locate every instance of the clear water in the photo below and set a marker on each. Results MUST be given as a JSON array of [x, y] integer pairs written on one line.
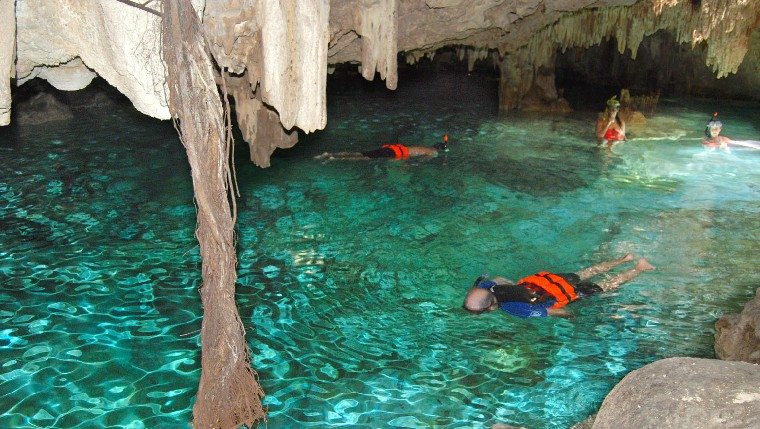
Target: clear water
[[351, 274]]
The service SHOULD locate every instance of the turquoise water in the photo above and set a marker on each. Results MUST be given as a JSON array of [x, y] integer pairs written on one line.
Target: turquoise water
[[351, 274]]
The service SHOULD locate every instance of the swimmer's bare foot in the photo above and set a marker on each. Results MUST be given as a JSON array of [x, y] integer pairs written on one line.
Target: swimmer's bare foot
[[323, 156], [644, 265], [627, 257]]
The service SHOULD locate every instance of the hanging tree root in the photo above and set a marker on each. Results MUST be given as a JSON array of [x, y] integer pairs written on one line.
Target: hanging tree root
[[229, 395]]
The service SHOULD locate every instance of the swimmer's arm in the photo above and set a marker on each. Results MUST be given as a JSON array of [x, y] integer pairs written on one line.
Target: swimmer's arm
[[601, 128]]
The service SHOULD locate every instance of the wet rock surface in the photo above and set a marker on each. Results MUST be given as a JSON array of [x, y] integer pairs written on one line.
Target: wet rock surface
[[737, 336], [684, 393]]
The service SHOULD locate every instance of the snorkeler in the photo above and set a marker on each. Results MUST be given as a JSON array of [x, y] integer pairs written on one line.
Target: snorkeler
[[714, 140], [544, 294], [391, 151], [610, 128]]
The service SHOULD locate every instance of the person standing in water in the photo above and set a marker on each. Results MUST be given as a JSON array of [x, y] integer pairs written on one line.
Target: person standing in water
[[545, 294], [391, 151], [610, 128]]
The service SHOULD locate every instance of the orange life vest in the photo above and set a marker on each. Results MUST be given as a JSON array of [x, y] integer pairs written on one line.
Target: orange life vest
[[399, 151], [554, 285]]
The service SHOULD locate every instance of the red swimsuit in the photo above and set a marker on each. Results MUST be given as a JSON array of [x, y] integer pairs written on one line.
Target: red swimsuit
[[613, 134]]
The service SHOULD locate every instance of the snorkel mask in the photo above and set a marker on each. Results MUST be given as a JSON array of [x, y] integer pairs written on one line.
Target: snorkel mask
[[613, 102], [714, 123]]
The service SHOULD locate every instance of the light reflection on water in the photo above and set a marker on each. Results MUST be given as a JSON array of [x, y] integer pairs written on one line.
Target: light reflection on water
[[351, 274]]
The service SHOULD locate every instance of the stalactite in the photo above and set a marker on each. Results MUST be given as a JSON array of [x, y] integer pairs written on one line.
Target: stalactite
[[117, 41], [7, 57], [378, 28], [260, 126], [475, 54], [294, 37], [725, 25], [461, 52], [413, 57], [281, 45]]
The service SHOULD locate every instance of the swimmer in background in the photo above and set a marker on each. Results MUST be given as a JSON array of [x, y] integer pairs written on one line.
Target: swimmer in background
[[391, 151], [610, 128], [713, 140]]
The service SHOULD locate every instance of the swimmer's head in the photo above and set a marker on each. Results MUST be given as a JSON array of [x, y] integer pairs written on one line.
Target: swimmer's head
[[444, 145], [714, 126], [479, 300]]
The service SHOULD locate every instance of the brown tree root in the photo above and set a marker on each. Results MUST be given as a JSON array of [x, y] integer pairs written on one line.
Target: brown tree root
[[229, 395]]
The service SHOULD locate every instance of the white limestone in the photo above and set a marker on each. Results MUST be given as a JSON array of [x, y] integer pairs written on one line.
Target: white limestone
[[118, 42], [7, 57]]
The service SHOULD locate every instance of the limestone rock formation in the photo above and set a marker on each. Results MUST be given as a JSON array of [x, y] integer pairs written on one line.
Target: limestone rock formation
[[737, 336], [278, 52], [282, 49], [7, 57], [118, 42], [678, 393]]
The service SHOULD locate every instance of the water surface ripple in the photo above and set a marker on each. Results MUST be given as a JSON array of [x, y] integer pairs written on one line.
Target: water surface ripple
[[351, 274]]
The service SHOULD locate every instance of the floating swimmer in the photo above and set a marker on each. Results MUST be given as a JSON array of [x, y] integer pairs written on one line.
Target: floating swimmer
[[545, 294], [391, 151]]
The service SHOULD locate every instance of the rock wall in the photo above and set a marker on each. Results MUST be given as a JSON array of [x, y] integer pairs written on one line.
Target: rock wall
[[721, 28]]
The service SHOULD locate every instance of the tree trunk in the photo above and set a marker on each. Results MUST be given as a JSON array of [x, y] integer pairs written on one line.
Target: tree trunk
[[228, 395]]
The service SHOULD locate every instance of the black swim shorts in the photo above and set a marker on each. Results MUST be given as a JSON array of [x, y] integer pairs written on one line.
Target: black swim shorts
[[383, 152], [581, 287]]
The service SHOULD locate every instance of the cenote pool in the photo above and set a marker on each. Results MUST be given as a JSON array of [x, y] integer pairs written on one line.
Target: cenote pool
[[352, 274]]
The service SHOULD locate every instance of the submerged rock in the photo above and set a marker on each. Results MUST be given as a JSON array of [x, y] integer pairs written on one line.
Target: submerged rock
[[684, 393]]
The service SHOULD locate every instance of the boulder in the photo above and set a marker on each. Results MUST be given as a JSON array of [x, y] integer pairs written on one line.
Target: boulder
[[678, 393], [737, 336]]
